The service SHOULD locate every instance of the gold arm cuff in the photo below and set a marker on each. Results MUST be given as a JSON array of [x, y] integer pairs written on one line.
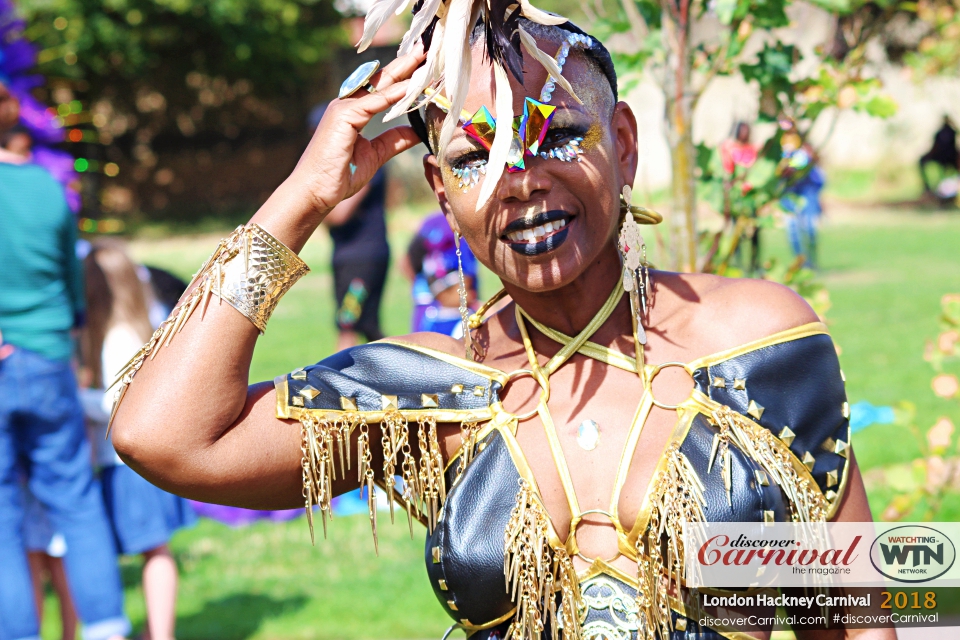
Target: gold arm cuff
[[252, 270]]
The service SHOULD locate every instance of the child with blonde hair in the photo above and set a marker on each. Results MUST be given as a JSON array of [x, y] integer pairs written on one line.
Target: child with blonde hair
[[142, 516]]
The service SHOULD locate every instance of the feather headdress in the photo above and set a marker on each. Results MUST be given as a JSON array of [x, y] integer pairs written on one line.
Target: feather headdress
[[445, 26]]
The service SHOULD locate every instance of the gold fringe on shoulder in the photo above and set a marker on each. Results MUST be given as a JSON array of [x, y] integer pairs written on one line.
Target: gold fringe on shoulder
[[804, 498], [324, 442], [468, 444], [677, 497], [318, 462], [534, 572]]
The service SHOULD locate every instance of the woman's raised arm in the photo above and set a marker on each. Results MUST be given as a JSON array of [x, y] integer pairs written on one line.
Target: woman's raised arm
[[188, 422]]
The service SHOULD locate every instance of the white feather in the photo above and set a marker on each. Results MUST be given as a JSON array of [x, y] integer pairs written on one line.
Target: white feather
[[425, 76], [537, 15], [457, 62], [500, 148], [378, 14], [553, 70], [418, 25]]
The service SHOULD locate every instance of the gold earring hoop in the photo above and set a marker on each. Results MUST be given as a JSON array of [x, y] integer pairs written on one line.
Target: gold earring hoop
[[642, 215]]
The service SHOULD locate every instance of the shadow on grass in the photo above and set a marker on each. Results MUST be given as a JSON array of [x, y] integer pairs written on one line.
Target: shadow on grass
[[235, 617]]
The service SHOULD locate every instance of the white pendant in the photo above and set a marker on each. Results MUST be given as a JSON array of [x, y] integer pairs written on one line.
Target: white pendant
[[588, 435]]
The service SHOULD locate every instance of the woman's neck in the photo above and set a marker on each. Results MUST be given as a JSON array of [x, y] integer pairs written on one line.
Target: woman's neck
[[571, 307]]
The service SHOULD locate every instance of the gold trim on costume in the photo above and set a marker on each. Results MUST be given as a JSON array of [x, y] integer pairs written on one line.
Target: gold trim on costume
[[280, 386], [482, 370], [803, 331], [842, 489], [526, 473], [537, 563]]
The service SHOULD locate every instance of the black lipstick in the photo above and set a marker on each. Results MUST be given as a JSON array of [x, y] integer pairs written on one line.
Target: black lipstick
[[536, 248], [549, 243]]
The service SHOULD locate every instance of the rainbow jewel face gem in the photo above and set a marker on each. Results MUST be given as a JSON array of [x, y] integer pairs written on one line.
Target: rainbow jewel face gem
[[529, 130]]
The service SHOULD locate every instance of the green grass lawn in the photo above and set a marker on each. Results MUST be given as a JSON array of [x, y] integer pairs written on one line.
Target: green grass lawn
[[885, 271]]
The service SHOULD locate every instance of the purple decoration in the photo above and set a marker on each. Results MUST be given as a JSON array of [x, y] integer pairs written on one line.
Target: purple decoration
[[60, 165], [34, 117], [237, 517], [346, 505]]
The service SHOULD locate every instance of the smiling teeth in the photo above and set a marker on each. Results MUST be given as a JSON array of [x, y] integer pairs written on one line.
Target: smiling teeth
[[537, 233]]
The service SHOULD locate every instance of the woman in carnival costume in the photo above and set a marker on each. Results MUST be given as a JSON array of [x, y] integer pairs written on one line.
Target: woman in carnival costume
[[561, 449]]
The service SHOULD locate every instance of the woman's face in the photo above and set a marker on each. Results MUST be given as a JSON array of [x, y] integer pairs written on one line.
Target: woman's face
[[542, 227]]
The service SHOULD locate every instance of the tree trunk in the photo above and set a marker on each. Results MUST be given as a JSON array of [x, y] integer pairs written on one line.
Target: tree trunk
[[679, 122]]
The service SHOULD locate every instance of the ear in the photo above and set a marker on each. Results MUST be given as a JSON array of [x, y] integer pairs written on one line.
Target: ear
[[627, 139], [431, 171]]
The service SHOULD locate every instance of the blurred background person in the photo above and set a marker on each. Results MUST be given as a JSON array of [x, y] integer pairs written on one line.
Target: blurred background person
[[801, 198], [737, 155], [738, 151], [361, 258], [41, 420], [143, 517], [45, 551], [18, 142], [361, 255], [431, 264], [940, 179]]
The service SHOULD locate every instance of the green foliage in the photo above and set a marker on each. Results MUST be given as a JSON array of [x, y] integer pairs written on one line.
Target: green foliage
[[150, 74], [922, 485], [938, 52], [272, 43], [839, 78], [771, 71]]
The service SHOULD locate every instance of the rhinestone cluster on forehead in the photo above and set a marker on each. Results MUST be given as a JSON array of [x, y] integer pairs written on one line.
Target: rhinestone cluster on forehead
[[546, 94]]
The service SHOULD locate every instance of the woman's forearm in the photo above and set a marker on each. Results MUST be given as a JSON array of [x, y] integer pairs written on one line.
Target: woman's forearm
[[188, 421]]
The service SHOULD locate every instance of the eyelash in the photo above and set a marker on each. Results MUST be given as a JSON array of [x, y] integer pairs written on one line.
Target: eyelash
[[562, 144]]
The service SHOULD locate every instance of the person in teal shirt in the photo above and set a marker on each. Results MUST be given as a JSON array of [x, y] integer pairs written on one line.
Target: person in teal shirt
[[41, 419], [41, 285]]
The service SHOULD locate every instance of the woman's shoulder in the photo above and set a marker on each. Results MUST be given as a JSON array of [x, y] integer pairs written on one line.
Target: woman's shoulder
[[736, 310]]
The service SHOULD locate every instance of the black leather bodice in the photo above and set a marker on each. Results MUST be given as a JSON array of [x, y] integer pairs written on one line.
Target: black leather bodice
[[789, 384]]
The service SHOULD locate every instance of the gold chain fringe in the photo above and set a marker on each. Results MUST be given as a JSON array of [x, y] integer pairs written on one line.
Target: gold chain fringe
[[806, 502], [534, 571], [677, 498], [424, 490]]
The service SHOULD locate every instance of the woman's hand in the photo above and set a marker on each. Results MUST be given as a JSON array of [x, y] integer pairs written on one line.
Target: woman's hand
[[339, 160]]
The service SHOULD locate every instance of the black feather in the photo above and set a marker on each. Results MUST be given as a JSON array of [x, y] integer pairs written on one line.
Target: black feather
[[427, 36], [502, 38]]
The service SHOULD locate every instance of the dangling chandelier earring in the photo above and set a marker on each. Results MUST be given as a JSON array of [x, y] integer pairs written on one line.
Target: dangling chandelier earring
[[464, 308], [636, 275]]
